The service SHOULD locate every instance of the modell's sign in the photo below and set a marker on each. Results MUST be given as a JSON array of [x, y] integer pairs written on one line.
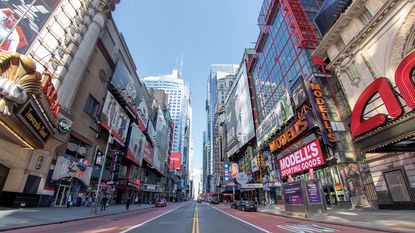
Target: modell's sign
[[310, 156], [406, 87], [321, 104]]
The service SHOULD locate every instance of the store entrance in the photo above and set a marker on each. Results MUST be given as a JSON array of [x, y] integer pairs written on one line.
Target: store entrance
[[398, 185], [4, 172], [61, 195]]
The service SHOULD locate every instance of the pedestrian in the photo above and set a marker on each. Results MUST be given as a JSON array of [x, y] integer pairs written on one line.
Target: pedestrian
[[69, 201], [136, 200], [104, 202], [127, 203]]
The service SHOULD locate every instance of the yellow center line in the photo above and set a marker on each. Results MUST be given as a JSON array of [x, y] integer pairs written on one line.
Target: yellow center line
[[195, 225]]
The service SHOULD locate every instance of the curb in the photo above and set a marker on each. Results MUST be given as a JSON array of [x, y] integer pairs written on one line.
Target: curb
[[337, 223], [72, 220]]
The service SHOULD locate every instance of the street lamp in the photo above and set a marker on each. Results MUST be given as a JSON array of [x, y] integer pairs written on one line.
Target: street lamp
[[110, 115]]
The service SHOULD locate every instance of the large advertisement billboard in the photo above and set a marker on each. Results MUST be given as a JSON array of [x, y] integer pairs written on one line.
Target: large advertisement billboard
[[137, 145], [275, 119], [21, 37], [175, 161], [162, 131], [131, 91], [239, 120], [148, 153], [119, 119], [309, 156]]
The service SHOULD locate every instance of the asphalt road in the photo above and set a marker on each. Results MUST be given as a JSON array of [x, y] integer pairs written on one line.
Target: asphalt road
[[190, 217]]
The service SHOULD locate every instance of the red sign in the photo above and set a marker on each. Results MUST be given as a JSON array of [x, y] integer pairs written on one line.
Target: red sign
[[149, 153], [310, 156], [175, 161], [51, 94], [404, 83]]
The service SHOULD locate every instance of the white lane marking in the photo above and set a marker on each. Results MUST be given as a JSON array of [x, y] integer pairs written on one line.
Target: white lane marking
[[310, 228], [252, 225], [139, 225]]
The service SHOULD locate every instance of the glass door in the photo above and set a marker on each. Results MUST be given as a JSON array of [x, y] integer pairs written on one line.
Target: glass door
[[397, 185], [61, 195]]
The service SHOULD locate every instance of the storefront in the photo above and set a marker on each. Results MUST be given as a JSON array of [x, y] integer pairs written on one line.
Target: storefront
[[28, 120]]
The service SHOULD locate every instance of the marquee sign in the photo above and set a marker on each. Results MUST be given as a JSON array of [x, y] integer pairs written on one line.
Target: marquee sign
[[381, 85]]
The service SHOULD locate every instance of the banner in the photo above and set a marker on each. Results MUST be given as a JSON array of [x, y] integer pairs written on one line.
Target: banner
[[175, 161], [148, 153], [63, 168], [22, 36], [309, 156], [275, 119], [119, 119]]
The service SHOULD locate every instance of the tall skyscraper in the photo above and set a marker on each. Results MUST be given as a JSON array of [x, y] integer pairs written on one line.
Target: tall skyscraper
[[218, 72], [179, 103]]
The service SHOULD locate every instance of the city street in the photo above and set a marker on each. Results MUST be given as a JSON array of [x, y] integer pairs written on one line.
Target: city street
[[190, 217]]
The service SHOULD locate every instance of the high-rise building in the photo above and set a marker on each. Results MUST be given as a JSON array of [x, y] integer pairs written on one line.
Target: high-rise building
[[218, 72], [180, 111]]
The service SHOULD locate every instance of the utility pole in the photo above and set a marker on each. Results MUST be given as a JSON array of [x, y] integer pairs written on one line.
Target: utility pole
[[109, 141]]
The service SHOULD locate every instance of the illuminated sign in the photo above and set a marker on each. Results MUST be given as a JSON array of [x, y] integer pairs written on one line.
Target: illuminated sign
[[405, 85], [226, 175], [293, 132], [234, 170], [321, 103], [33, 121], [51, 94], [309, 156]]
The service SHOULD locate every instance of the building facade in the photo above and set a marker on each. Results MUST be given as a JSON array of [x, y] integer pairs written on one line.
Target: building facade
[[369, 45]]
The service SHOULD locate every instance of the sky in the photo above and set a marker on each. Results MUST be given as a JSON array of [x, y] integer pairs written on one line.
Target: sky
[[206, 32]]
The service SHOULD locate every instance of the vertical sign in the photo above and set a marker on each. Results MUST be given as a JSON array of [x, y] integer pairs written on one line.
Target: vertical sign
[[226, 172]]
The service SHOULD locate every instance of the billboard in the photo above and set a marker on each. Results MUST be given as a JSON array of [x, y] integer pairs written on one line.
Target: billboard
[[136, 146], [299, 93], [131, 91], [275, 119], [309, 156], [119, 119], [162, 131], [175, 161], [20, 38], [148, 153], [239, 120]]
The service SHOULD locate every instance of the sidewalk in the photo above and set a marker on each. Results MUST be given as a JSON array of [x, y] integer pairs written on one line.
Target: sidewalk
[[25, 217], [382, 220]]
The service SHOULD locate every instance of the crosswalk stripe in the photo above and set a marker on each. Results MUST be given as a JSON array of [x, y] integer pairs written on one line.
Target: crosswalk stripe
[[310, 228]]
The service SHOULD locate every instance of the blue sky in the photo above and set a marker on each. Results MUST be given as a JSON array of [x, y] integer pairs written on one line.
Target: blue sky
[[205, 31]]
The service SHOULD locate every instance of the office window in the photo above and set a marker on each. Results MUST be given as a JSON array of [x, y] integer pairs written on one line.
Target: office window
[[366, 16], [92, 107]]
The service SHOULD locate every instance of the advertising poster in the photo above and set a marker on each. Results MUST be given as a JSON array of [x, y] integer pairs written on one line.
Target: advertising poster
[[254, 164], [137, 145], [239, 119], [22, 36], [119, 119], [175, 161], [313, 193], [131, 91], [278, 117], [148, 153], [162, 131], [234, 170], [299, 93], [293, 194], [309, 156]]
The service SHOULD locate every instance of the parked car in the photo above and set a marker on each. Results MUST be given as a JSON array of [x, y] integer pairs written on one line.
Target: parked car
[[234, 204], [214, 201], [248, 206], [161, 203]]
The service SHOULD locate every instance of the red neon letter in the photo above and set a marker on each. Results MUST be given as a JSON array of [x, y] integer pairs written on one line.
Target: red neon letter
[[381, 85], [404, 81]]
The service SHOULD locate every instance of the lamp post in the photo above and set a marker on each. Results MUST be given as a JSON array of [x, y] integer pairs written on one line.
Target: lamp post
[[105, 154]]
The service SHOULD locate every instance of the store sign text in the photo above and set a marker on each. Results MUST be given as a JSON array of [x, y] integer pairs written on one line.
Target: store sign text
[[293, 132], [31, 116], [321, 103], [51, 94], [406, 87], [310, 156]]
